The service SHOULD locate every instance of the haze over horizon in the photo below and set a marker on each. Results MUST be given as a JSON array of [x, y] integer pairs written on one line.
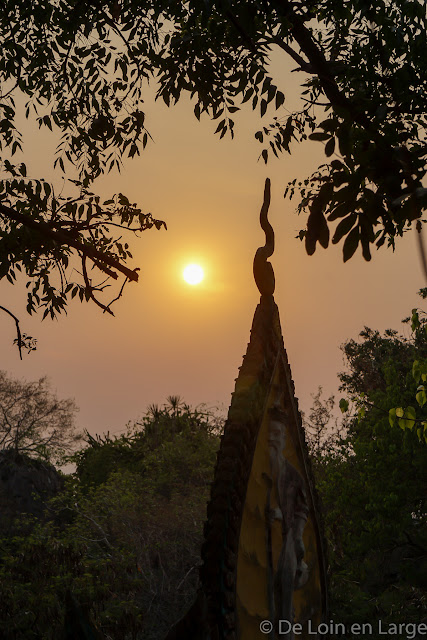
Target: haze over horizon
[[170, 338]]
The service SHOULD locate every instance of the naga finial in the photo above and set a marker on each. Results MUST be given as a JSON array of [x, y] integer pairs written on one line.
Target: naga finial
[[263, 271]]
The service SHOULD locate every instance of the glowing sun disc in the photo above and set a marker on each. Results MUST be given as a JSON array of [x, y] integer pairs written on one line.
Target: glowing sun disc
[[193, 274]]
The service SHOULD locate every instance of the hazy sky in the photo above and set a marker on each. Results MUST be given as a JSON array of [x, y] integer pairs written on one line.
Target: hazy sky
[[170, 338]]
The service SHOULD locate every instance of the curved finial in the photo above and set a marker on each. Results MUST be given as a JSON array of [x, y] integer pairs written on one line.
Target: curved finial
[[263, 271]]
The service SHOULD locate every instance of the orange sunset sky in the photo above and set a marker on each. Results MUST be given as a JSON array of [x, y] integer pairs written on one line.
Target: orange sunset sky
[[171, 338]]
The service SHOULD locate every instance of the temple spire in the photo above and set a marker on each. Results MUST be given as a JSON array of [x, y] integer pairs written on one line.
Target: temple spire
[[262, 556]]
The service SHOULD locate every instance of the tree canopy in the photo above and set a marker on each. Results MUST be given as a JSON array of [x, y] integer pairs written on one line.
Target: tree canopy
[[372, 481], [124, 535], [83, 69]]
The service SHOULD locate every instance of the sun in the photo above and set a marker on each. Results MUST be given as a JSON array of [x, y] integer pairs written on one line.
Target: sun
[[193, 274]]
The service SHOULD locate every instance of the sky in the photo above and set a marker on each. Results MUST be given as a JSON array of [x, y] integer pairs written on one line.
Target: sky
[[170, 338]]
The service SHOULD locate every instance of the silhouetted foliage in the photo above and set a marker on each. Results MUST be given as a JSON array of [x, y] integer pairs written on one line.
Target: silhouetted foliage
[[82, 70]]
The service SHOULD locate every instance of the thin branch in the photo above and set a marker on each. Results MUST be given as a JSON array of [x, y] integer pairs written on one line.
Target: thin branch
[[85, 226], [314, 102], [184, 578], [64, 64], [119, 295], [90, 289], [98, 526], [8, 93], [18, 330], [134, 59], [304, 65]]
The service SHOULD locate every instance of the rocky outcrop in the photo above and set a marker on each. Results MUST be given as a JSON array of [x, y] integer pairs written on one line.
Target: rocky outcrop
[[25, 486]]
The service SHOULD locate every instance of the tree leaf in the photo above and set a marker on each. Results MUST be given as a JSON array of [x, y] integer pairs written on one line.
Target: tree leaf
[[351, 243], [411, 416], [280, 99], [317, 231], [416, 370], [343, 404], [318, 135], [330, 147], [340, 211], [263, 106], [344, 227], [343, 136], [421, 397]]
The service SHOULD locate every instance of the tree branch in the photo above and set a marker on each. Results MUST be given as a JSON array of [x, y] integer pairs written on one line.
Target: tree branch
[[304, 65], [318, 62], [245, 37], [62, 238]]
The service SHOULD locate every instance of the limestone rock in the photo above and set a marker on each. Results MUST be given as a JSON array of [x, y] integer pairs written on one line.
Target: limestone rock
[[25, 485]]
